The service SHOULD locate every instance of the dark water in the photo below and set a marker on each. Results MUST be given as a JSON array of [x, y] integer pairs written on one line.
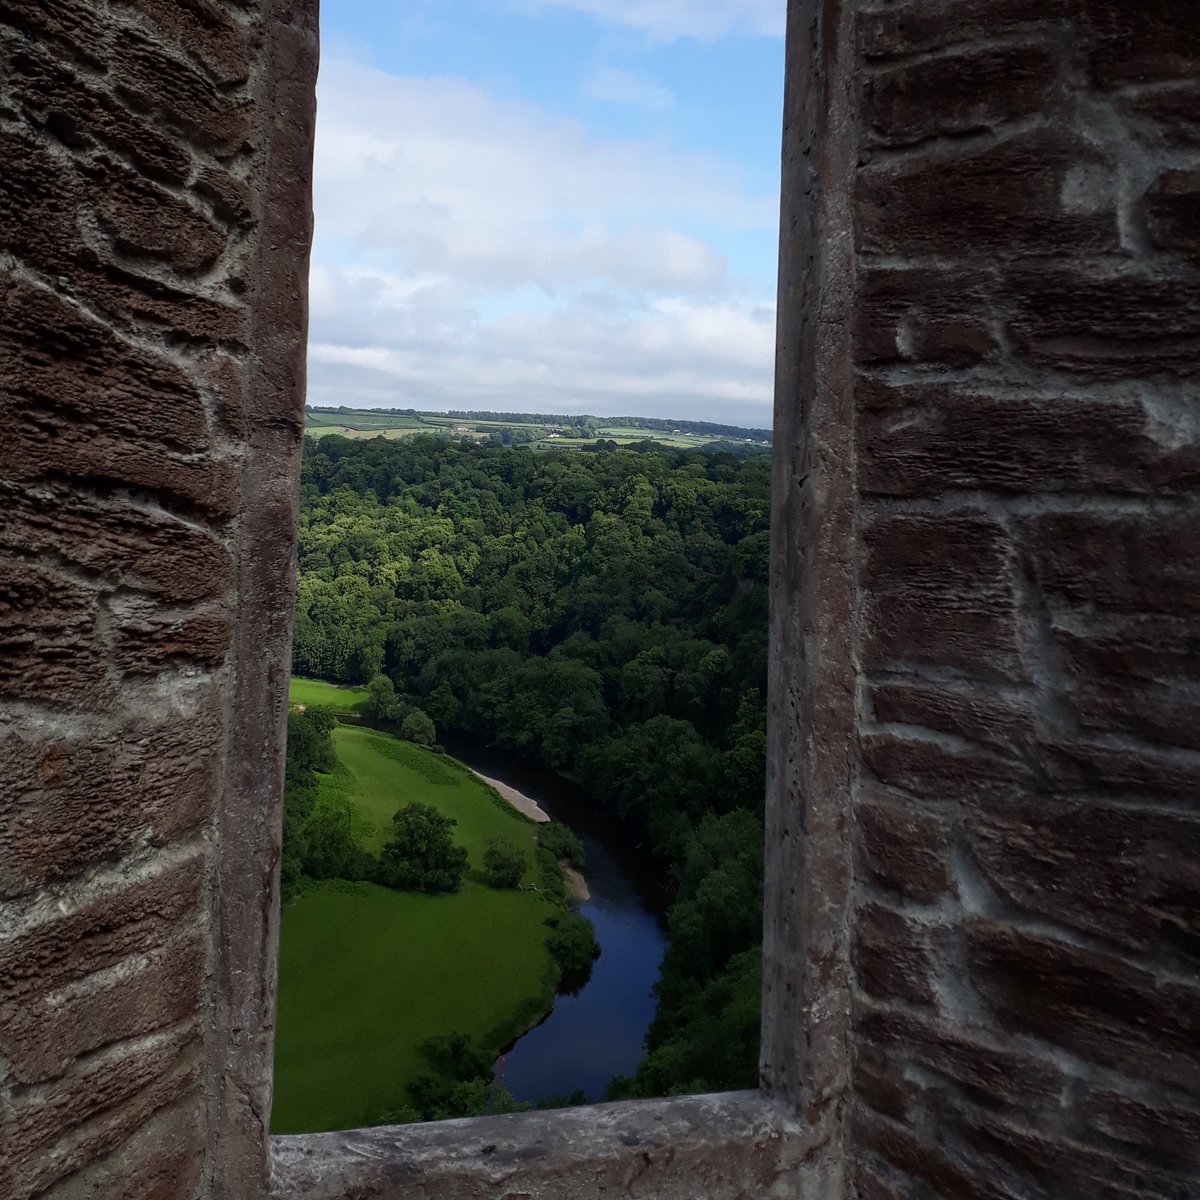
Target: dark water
[[598, 1032]]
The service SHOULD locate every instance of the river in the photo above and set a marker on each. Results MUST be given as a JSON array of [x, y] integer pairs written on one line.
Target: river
[[597, 1031]]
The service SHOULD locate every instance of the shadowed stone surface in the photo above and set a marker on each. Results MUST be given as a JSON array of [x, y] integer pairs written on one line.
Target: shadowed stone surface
[[716, 1147]]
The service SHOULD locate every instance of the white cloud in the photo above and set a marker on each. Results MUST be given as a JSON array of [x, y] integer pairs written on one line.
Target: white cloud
[[507, 194], [616, 86], [476, 252], [670, 20]]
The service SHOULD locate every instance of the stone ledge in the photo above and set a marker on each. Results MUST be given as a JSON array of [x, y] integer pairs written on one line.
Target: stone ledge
[[721, 1147]]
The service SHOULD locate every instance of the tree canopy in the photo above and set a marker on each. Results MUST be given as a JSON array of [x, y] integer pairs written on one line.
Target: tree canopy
[[602, 613], [421, 855]]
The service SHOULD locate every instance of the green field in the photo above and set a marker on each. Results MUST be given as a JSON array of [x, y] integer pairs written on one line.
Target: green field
[[366, 974], [316, 692], [371, 423]]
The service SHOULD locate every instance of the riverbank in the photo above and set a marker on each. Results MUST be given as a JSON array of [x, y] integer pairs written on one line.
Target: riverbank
[[522, 803], [368, 975], [577, 885]]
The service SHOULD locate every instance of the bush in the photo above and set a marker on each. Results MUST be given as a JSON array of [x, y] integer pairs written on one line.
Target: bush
[[572, 942], [503, 864], [563, 844]]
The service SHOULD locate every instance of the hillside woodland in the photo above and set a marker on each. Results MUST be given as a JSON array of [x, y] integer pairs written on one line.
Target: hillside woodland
[[603, 614]]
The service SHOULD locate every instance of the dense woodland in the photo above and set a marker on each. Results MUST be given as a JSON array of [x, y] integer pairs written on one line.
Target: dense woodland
[[603, 614]]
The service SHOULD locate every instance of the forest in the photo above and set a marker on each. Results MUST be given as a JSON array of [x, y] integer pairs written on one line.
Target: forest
[[602, 614]]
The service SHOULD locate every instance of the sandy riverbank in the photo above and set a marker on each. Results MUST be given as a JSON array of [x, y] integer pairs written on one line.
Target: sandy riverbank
[[521, 802], [576, 883]]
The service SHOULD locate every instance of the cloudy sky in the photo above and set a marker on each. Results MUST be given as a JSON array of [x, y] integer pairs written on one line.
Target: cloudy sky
[[548, 206]]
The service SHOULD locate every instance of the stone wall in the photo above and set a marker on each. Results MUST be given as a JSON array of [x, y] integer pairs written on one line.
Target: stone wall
[[981, 918], [1026, 929], [153, 250]]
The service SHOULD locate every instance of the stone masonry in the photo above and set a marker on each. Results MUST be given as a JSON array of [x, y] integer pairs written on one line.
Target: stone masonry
[[154, 228], [983, 900], [1026, 924]]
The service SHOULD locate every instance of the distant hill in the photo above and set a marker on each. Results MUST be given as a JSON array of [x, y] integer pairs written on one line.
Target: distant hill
[[543, 430]]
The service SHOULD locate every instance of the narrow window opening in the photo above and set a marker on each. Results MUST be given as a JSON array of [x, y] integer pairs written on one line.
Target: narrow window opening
[[513, 601]]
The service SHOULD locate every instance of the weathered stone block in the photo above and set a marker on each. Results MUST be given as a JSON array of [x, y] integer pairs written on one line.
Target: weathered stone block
[[977, 89], [147, 641], [84, 114], [924, 315], [1169, 115], [894, 955], [1173, 213], [41, 1035], [145, 221], [1142, 772], [940, 770], [902, 847], [1001, 722], [1108, 324], [42, 201], [60, 359], [180, 98], [79, 27], [49, 644], [164, 1160], [135, 549], [1130, 876], [1055, 1164], [1163, 1133], [126, 919], [1127, 649], [912, 26], [1161, 714], [938, 592], [1100, 1007], [230, 197], [65, 1125], [989, 1072], [206, 30], [1157, 40], [1121, 563], [942, 1172], [72, 802], [868, 1184], [921, 439], [1039, 193]]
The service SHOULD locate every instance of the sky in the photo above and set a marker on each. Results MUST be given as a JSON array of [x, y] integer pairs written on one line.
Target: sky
[[559, 206]]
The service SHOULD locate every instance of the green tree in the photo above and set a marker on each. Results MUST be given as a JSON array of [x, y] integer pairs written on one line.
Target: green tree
[[417, 727], [421, 855], [382, 702], [503, 864], [572, 942]]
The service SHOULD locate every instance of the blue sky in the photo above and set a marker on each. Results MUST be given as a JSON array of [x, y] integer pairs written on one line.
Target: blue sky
[[548, 205]]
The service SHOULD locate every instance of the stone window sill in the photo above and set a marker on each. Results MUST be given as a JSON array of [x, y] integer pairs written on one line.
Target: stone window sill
[[719, 1147]]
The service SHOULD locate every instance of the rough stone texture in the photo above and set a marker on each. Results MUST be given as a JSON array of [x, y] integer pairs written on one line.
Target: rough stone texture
[[718, 1147], [810, 727], [981, 938], [1027, 456], [154, 230]]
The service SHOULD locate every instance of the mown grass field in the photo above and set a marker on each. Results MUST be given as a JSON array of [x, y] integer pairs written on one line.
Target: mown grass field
[[366, 974], [313, 692]]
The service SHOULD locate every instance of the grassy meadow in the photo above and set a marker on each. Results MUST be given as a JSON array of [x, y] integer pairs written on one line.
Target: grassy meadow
[[314, 692], [366, 974]]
